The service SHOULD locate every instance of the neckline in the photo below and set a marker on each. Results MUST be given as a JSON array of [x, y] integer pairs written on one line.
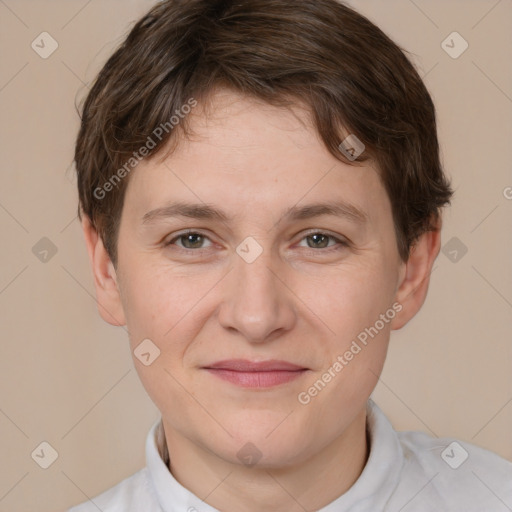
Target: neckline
[[371, 491]]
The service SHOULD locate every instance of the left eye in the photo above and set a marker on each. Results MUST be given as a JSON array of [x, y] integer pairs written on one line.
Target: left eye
[[321, 240]]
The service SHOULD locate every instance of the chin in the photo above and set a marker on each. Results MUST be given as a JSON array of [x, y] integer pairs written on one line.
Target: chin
[[266, 447]]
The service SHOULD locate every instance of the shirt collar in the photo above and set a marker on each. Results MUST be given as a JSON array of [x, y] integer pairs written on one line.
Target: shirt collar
[[370, 492]]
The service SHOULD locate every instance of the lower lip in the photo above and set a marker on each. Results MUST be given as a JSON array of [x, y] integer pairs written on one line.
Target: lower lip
[[257, 379]]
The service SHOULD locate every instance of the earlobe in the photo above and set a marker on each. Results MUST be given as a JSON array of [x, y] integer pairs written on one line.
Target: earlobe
[[415, 279], [105, 278]]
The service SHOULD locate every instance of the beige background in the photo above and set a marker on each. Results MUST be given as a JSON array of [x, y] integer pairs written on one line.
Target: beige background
[[67, 378]]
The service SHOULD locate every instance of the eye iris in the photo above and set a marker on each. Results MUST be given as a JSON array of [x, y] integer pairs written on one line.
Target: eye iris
[[194, 240], [190, 238], [316, 237]]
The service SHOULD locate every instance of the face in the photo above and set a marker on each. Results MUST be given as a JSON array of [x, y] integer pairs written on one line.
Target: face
[[270, 293]]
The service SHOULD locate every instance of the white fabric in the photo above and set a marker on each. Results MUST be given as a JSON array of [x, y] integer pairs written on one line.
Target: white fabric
[[405, 472]]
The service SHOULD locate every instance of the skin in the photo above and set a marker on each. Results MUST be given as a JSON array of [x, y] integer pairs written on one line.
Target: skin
[[299, 301]]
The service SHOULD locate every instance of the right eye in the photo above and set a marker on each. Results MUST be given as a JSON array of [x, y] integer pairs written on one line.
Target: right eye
[[190, 240]]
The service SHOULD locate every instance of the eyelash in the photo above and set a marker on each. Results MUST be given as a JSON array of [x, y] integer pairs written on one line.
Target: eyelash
[[341, 243]]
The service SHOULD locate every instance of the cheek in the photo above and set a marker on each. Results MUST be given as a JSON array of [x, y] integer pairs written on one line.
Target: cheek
[[351, 305], [160, 307], [350, 297], [160, 304]]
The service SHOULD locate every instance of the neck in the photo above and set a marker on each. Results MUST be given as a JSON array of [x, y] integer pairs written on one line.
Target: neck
[[309, 485]]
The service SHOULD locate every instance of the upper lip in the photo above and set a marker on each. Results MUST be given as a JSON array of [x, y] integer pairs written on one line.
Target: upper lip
[[243, 365]]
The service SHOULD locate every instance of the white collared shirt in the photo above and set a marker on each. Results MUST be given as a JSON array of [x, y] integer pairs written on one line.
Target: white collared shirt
[[405, 472]]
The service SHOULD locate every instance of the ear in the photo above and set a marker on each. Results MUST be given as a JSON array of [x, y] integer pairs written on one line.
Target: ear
[[105, 279], [415, 275]]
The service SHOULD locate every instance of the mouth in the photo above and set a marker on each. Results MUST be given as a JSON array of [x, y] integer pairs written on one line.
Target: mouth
[[262, 374]]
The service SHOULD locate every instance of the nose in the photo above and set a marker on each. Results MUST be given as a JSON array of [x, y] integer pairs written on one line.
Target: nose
[[257, 302]]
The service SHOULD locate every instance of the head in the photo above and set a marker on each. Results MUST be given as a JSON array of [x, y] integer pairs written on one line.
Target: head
[[226, 216]]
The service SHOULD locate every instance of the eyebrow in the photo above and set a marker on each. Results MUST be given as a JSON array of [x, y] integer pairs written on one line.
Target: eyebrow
[[205, 211]]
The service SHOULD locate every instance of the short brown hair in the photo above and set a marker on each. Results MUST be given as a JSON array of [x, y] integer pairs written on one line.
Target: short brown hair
[[320, 53]]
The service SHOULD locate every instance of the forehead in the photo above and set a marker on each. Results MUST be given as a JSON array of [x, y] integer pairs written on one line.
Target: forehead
[[250, 157]]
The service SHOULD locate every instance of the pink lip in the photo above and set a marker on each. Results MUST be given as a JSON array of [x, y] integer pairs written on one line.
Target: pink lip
[[255, 374]]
